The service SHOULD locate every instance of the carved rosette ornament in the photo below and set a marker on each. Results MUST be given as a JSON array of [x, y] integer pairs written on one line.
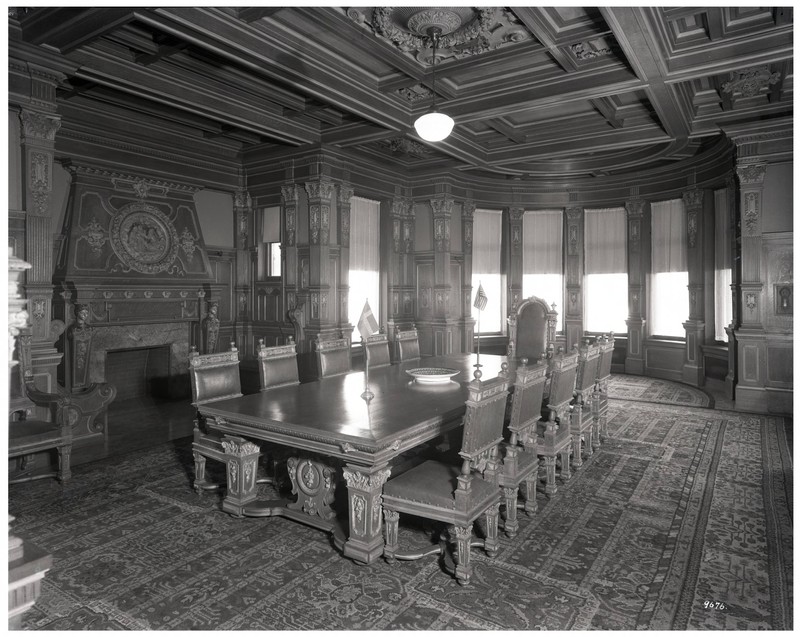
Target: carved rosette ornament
[[144, 240], [751, 81]]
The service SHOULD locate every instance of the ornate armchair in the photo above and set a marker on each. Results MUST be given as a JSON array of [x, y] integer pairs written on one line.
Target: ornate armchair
[[455, 495], [213, 377], [29, 436], [582, 418], [407, 344], [553, 436], [277, 366], [377, 351], [518, 459], [532, 330], [600, 396], [333, 356]]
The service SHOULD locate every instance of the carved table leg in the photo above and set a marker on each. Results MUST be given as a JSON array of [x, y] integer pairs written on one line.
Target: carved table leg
[[576, 418], [364, 487], [242, 462], [566, 472], [492, 542], [531, 506], [64, 472]]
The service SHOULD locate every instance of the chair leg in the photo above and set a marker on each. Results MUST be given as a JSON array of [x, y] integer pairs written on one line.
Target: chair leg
[[492, 543], [511, 525], [566, 473], [577, 460], [64, 471], [463, 566], [531, 506], [550, 487], [391, 524], [199, 471]]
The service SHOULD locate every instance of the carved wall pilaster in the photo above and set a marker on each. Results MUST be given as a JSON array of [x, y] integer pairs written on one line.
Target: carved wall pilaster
[[515, 221], [638, 212], [693, 361], [344, 193], [573, 312], [467, 224], [400, 254]]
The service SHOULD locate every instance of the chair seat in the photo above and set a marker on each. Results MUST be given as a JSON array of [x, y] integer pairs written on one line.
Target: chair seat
[[33, 430], [546, 445], [431, 485]]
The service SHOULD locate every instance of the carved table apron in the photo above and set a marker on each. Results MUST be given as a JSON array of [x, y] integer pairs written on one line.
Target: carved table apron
[[328, 418]]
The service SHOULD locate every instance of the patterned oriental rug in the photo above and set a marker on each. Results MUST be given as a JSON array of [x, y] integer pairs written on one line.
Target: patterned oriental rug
[[682, 520], [655, 390]]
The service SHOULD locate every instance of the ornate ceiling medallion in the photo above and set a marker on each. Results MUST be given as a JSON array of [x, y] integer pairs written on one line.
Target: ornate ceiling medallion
[[751, 81], [465, 31], [144, 239]]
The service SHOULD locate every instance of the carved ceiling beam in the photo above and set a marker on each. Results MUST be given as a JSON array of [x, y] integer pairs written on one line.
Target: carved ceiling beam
[[319, 112], [532, 19], [635, 38], [222, 104], [506, 130], [716, 23], [263, 50], [251, 14], [608, 109], [354, 134], [67, 28], [232, 132], [164, 51]]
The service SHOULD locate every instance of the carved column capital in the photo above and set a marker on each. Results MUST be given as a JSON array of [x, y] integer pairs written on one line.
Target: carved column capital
[[751, 174], [290, 193], [635, 207], [320, 189], [693, 198], [468, 210], [344, 193], [39, 126], [442, 206]]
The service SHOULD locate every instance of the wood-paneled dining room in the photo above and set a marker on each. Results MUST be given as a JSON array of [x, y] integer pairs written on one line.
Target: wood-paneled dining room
[[400, 318]]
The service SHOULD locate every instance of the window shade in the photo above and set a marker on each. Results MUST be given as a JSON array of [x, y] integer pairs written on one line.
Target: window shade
[[542, 258], [364, 276], [723, 302], [606, 281], [486, 268], [669, 236]]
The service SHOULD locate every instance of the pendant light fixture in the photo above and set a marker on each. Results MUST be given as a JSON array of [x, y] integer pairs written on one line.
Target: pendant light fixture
[[434, 126]]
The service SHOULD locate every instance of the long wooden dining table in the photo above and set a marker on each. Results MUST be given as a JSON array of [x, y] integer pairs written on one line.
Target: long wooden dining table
[[336, 433]]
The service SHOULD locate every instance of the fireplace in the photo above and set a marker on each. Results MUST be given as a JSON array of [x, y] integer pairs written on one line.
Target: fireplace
[[139, 372]]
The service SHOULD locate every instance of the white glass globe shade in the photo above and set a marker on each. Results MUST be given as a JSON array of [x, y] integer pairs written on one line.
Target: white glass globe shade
[[434, 127]]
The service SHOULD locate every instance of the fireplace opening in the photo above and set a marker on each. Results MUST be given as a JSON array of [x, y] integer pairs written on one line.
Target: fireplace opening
[[141, 372]]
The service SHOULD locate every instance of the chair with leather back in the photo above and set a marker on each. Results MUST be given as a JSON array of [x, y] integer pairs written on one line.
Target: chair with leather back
[[28, 436], [277, 366], [519, 462], [333, 356], [582, 417], [407, 345], [532, 330], [600, 396], [377, 351], [455, 495], [213, 377], [553, 433]]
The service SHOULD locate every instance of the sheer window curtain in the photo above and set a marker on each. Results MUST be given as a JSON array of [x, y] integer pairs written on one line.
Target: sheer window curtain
[[364, 278], [542, 260], [723, 302], [606, 280], [669, 293], [486, 269]]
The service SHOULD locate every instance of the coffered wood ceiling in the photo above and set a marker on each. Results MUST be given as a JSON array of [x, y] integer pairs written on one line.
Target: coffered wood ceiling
[[534, 91]]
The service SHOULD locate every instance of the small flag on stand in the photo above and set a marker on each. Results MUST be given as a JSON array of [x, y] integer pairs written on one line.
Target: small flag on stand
[[480, 298], [367, 325]]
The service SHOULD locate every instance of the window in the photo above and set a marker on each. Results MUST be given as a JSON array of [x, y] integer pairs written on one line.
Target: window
[[269, 249], [723, 302], [606, 280], [542, 260], [487, 272], [669, 281], [364, 277]]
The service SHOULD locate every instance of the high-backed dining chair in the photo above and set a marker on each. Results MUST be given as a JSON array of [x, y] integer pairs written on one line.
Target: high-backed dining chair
[[377, 348], [333, 356], [213, 377], [553, 434], [532, 330], [277, 366], [407, 345], [600, 397], [28, 436], [582, 417], [518, 459], [455, 495]]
